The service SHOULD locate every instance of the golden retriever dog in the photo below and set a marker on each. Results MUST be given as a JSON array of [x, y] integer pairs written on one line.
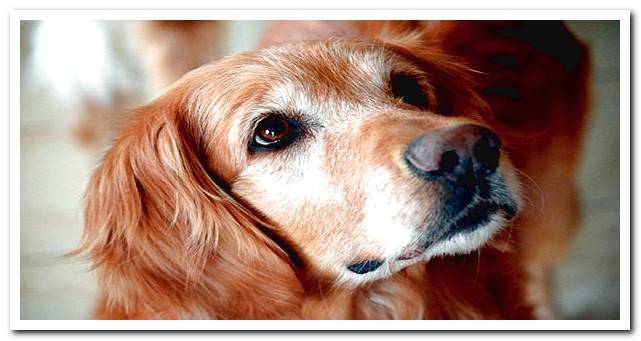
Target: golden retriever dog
[[348, 170]]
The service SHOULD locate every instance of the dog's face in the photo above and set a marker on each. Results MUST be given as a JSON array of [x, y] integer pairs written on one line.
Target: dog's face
[[366, 157]]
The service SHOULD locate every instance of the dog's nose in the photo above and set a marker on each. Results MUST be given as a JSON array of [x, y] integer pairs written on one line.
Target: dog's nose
[[460, 154]]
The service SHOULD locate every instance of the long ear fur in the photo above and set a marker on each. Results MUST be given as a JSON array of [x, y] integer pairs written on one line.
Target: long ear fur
[[167, 241]]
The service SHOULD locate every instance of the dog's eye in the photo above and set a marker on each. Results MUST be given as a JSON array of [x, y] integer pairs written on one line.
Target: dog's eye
[[272, 131], [408, 89]]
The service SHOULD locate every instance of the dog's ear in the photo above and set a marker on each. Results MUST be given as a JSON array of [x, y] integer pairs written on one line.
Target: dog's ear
[[167, 241]]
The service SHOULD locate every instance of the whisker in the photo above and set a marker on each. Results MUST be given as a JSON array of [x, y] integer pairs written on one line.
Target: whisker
[[537, 189]]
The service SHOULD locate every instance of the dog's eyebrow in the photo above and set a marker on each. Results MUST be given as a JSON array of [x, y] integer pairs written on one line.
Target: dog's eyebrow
[[305, 121]]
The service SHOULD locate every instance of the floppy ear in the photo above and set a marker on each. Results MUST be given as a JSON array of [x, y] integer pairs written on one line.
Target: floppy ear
[[167, 241]]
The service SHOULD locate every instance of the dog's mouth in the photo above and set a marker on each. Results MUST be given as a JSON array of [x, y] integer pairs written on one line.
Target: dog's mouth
[[469, 217], [474, 217], [479, 214]]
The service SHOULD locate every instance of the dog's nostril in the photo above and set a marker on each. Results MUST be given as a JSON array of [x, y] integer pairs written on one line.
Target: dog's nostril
[[365, 266], [487, 152], [448, 162]]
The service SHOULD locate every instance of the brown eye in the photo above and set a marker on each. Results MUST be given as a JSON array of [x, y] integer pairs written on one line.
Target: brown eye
[[408, 89], [272, 131]]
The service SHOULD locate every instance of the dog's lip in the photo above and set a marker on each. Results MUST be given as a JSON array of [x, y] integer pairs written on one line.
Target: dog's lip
[[472, 218], [412, 251]]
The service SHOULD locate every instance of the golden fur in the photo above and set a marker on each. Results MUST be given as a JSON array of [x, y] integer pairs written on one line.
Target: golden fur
[[181, 222]]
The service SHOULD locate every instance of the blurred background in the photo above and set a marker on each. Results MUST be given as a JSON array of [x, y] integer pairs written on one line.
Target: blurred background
[[79, 78]]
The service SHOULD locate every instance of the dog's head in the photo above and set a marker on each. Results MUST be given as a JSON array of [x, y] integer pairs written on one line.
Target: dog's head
[[359, 157]]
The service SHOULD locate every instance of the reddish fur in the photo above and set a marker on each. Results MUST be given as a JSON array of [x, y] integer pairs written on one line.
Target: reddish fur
[[169, 241]]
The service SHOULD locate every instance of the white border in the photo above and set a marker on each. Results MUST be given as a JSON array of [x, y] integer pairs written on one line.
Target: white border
[[14, 171], [321, 325], [14, 137], [345, 14], [625, 255]]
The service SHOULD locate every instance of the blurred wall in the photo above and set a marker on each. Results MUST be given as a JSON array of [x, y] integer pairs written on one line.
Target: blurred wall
[[588, 281]]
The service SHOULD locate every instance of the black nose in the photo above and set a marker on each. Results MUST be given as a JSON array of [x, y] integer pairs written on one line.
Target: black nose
[[460, 154]]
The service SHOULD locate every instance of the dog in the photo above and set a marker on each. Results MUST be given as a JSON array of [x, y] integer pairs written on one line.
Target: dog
[[347, 170]]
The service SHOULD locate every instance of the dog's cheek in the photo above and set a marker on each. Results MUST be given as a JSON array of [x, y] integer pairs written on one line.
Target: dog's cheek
[[395, 209], [280, 186], [318, 213]]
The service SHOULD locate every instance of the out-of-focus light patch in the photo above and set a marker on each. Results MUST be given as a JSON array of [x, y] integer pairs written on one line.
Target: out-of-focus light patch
[[75, 59]]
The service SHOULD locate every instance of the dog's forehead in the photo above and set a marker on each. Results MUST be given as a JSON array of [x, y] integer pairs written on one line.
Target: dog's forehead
[[328, 60], [324, 57], [324, 78]]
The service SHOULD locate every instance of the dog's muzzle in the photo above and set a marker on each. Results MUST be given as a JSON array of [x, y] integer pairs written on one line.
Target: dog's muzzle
[[463, 160]]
